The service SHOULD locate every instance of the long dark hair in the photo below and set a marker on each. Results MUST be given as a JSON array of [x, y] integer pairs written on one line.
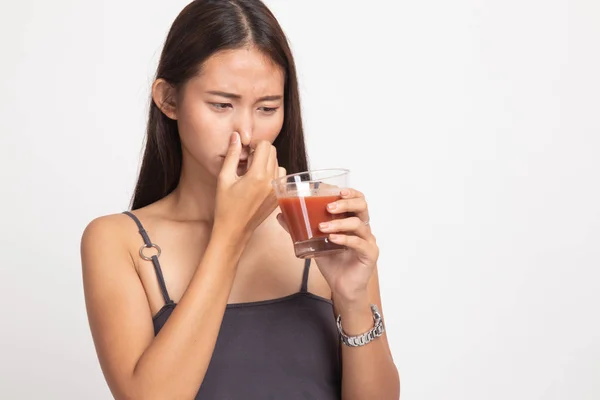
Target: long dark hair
[[203, 28]]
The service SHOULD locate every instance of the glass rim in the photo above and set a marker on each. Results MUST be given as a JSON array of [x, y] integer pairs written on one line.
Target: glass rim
[[283, 179]]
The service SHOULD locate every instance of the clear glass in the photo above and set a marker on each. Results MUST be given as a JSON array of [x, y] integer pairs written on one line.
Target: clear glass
[[303, 199]]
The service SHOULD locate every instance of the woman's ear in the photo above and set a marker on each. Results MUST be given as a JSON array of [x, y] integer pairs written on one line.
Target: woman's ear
[[164, 96]]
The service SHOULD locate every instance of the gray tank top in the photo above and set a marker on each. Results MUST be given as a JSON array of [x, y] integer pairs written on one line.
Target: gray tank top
[[286, 348]]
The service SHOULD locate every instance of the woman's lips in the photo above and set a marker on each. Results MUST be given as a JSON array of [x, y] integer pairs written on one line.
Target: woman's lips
[[244, 157]]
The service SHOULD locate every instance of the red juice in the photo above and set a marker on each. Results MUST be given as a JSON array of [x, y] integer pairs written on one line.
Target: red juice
[[303, 216]]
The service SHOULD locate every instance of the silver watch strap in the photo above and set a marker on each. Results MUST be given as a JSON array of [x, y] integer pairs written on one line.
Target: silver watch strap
[[367, 337]]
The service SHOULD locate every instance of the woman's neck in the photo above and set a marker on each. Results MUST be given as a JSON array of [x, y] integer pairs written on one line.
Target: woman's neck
[[194, 198]]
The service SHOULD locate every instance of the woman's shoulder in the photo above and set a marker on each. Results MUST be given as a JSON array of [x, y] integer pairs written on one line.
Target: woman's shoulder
[[117, 226], [119, 232], [107, 225], [114, 232], [107, 232]]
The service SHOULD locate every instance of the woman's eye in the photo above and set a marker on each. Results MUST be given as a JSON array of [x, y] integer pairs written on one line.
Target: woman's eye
[[221, 106], [268, 110]]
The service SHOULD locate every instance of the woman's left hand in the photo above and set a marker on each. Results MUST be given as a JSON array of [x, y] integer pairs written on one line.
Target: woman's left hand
[[348, 272]]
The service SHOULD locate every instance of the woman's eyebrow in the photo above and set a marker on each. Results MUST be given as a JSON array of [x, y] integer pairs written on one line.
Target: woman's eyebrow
[[237, 96]]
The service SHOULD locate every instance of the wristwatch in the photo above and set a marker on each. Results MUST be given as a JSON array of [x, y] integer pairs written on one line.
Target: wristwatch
[[365, 338]]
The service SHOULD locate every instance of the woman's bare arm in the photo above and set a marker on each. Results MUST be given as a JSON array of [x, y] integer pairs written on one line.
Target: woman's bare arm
[[369, 371], [135, 363]]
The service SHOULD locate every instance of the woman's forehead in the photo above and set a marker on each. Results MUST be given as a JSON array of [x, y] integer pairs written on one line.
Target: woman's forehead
[[240, 70]]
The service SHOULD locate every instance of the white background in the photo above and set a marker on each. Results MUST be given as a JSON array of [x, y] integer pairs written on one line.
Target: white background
[[472, 126]]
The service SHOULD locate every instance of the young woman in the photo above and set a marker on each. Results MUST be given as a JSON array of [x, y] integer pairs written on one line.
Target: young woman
[[197, 293]]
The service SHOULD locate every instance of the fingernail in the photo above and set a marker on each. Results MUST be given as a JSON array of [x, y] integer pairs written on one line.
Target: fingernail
[[334, 237], [332, 206], [324, 225], [345, 193], [234, 137]]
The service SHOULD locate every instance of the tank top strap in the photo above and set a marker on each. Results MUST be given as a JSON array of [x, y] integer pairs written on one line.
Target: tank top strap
[[154, 258], [304, 287]]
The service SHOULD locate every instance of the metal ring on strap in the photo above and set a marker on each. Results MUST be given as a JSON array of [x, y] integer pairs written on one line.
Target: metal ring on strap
[[145, 246]]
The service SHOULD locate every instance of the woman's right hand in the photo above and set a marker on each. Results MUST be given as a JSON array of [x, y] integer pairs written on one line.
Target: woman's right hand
[[243, 203]]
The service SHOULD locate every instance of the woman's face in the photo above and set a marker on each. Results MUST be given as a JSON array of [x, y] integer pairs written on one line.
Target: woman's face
[[236, 91]]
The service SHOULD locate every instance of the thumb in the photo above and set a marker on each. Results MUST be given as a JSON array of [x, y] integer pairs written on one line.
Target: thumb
[[232, 158], [281, 172]]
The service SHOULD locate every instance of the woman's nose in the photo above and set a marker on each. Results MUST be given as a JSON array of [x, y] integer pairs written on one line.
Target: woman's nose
[[243, 122], [245, 136]]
